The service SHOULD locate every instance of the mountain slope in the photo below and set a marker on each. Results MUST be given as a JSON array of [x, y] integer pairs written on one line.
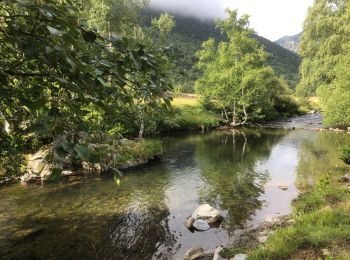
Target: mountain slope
[[284, 62], [290, 42], [189, 33]]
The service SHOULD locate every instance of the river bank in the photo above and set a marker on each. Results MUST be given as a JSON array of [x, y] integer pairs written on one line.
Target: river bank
[[318, 228], [249, 179], [188, 115], [44, 166]]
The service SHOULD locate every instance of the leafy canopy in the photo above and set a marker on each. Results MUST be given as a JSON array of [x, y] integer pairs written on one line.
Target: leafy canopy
[[55, 70], [325, 51], [234, 73]]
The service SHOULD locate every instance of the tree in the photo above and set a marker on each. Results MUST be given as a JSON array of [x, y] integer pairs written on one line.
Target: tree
[[113, 16], [165, 24], [234, 72], [55, 70], [325, 52]]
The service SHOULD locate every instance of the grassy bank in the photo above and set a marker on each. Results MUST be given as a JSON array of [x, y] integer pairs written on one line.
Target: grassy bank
[[321, 223], [190, 115], [321, 229]]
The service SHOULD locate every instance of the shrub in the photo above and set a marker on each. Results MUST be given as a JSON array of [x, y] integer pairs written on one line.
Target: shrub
[[345, 156]]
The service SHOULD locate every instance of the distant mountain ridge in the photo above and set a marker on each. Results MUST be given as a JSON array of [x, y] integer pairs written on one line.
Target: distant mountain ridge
[[191, 32], [290, 42]]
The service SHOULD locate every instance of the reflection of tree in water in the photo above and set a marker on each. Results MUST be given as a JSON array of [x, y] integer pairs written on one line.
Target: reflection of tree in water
[[137, 235], [319, 154], [228, 163], [93, 221]]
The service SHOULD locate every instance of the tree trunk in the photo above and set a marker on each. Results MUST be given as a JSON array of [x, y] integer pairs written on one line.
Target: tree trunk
[[245, 144], [234, 115], [226, 116], [8, 127], [245, 115], [142, 126]]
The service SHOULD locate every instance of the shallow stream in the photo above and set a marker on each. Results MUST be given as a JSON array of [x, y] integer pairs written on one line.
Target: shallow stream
[[238, 173]]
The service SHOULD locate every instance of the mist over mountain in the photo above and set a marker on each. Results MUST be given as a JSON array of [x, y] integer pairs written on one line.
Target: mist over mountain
[[290, 42], [202, 9], [190, 32]]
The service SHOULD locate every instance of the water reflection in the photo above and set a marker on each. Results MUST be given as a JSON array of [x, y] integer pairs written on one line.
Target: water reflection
[[239, 173]]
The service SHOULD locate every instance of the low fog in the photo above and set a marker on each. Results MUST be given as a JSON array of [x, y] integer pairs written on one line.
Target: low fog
[[270, 18], [203, 9]]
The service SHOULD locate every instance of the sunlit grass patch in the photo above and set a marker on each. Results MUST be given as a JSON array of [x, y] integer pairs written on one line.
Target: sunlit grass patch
[[132, 150], [316, 230], [182, 101]]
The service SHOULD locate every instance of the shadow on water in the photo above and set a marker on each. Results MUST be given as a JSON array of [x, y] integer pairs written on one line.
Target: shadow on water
[[237, 172]]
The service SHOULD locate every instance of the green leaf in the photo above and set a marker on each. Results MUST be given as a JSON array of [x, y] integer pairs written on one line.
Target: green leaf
[[30, 48], [61, 153], [55, 176], [94, 158], [116, 180], [23, 2], [83, 151], [55, 31], [68, 147], [71, 63], [89, 36], [101, 80], [106, 63]]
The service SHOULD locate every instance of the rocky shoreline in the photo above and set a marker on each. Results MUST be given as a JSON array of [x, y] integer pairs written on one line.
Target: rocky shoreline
[[249, 238], [38, 171]]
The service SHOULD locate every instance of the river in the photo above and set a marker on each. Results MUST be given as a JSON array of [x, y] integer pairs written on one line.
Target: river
[[143, 218]]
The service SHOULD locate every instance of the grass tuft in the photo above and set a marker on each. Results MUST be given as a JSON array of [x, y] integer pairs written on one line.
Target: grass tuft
[[322, 220]]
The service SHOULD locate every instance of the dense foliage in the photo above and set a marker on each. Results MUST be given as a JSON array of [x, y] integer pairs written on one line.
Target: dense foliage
[[325, 50], [345, 155], [59, 77], [235, 73]]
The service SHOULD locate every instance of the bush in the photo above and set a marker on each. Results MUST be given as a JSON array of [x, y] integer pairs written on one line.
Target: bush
[[345, 156], [286, 106], [11, 159]]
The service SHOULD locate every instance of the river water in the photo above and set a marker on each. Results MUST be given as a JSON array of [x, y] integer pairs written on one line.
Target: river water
[[143, 218]]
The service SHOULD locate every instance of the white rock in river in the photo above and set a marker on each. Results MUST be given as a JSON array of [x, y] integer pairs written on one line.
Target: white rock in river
[[201, 225], [240, 257], [194, 253], [217, 253], [206, 212]]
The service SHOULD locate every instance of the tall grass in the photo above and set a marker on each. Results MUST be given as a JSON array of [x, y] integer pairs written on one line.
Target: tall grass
[[322, 220]]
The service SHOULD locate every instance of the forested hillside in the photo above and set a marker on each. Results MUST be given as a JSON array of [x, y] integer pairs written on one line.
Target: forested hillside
[[190, 32], [290, 42]]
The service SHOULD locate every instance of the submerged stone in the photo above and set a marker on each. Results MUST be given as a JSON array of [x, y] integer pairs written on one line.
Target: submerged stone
[[189, 223], [217, 253], [345, 178], [194, 253], [240, 257]]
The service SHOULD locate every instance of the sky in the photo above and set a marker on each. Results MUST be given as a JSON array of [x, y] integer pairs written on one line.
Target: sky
[[271, 19]]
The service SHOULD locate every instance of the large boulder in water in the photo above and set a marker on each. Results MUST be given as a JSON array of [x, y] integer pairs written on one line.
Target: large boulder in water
[[194, 253], [37, 168], [208, 213], [204, 218]]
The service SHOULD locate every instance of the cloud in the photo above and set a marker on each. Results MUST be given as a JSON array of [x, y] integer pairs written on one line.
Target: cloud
[[204, 9], [270, 18]]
